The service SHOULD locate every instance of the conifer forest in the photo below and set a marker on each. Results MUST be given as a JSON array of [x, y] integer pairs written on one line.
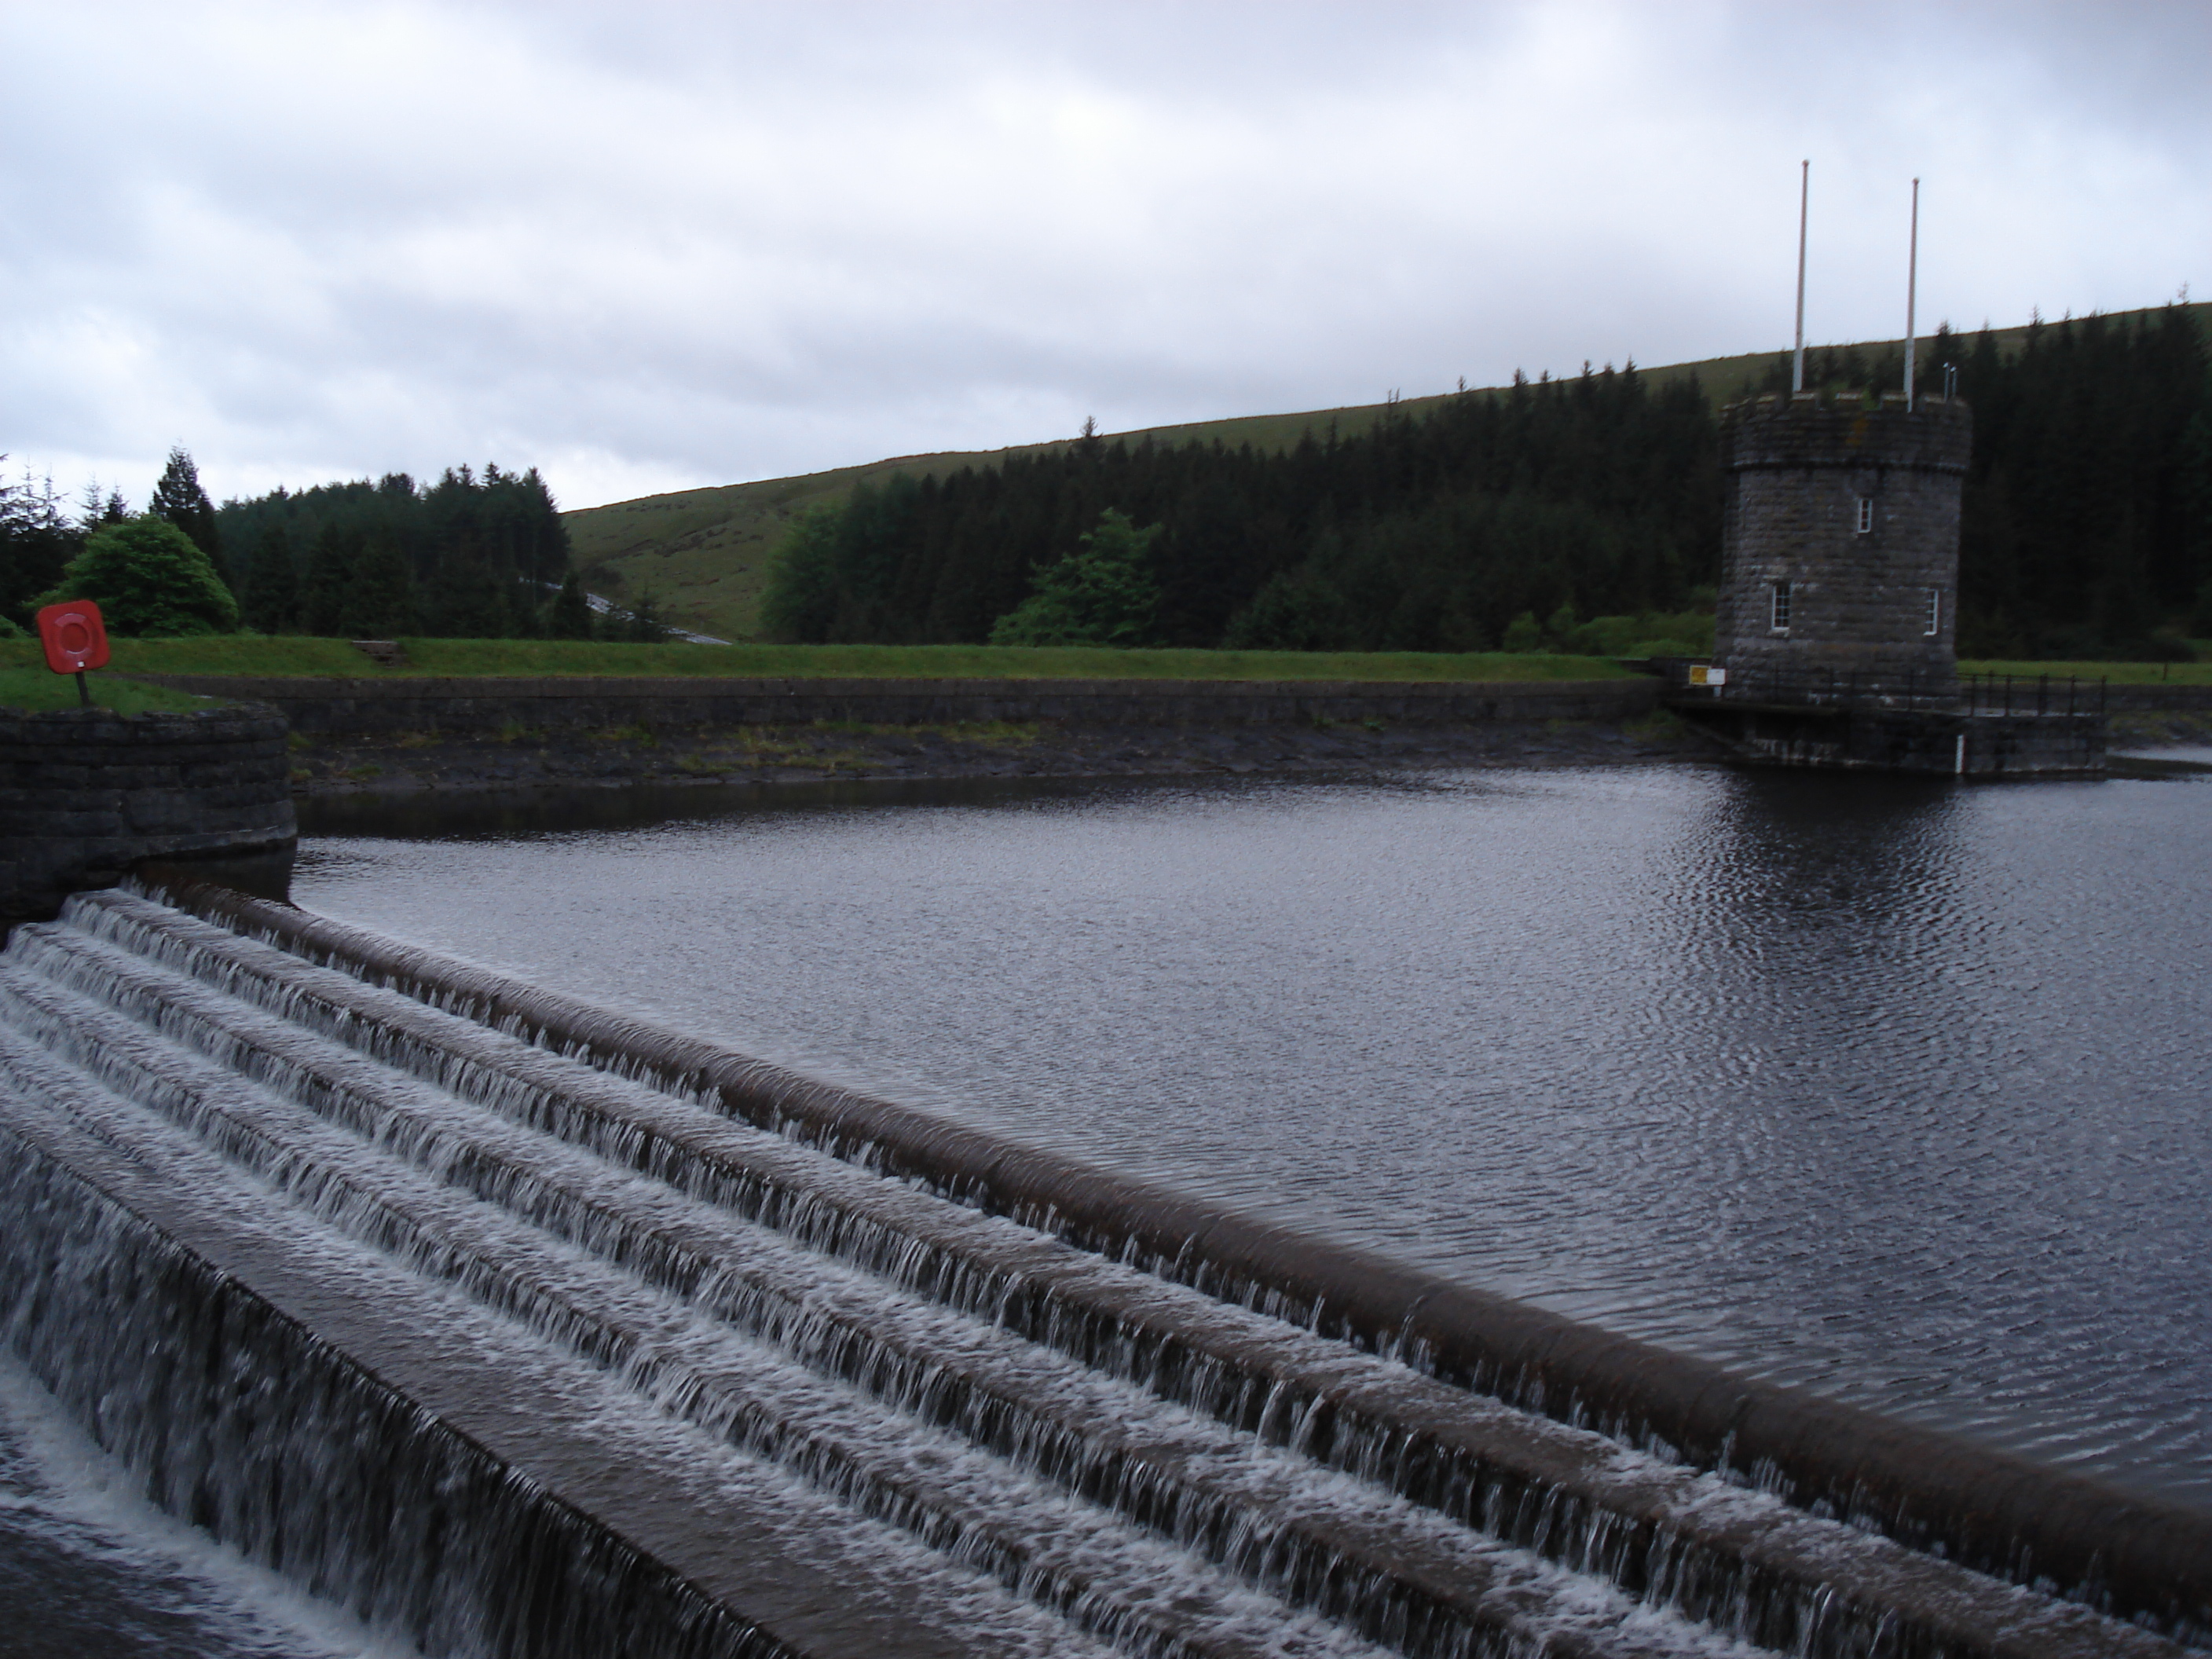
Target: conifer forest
[[2087, 514], [473, 556]]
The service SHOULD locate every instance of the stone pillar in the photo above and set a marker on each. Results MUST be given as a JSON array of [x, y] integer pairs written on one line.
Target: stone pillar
[[87, 795], [1854, 505]]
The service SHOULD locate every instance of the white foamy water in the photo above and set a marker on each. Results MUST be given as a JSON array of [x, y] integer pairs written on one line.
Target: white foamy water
[[821, 1394], [90, 1570], [1878, 1086]]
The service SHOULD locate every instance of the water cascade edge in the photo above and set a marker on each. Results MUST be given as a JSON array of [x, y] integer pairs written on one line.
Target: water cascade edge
[[696, 1221]]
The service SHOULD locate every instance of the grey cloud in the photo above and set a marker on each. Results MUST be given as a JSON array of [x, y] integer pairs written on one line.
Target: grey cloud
[[653, 246]]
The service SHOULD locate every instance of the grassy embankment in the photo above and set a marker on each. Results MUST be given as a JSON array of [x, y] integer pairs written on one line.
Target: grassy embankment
[[2119, 673], [250, 654], [38, 688], [705, 552], [25, 683]]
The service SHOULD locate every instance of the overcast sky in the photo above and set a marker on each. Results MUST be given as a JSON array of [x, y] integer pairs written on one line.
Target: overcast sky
[[644, 248]]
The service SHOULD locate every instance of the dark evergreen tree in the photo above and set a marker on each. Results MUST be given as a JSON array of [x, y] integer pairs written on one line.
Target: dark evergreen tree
[[330, 576], [380, 594], [2078, 536], [100, 511], [270, 604], [179, 499], [464, 601], [36, 542], [2194, 466], [570, 616], [483, 550], [644, 625]]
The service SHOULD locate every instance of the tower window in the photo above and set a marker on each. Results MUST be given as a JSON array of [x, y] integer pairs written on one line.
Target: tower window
[[1935, 612], [1777, 607], [1866, 514]]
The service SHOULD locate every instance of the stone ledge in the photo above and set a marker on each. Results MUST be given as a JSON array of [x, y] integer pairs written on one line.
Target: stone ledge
[[365, 708]]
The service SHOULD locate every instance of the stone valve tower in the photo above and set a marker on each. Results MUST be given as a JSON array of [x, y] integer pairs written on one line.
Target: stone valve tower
[[1840, 547], [1835, 631]]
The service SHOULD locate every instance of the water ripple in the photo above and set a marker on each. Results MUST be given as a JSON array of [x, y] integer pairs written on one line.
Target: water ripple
[[1888, 1088]]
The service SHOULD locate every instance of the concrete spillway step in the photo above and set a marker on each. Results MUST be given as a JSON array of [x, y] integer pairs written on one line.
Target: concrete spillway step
[[590, 1349]]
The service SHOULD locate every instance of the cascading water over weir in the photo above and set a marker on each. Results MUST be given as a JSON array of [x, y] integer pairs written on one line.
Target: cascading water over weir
[[524, 1329]]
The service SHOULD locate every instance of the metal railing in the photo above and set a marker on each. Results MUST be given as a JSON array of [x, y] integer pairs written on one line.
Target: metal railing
[[2030, 694], [1966, 694]]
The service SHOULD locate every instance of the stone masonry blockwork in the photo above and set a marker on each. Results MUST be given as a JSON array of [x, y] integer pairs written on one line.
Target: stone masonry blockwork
[[1797, 469], [87, 794]]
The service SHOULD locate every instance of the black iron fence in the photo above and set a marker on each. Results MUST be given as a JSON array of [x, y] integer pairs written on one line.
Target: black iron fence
[[2030, 693], [1816, 687]]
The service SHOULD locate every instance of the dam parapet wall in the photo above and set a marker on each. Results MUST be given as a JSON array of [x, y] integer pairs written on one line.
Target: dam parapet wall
[[87, 795], [488, 706]]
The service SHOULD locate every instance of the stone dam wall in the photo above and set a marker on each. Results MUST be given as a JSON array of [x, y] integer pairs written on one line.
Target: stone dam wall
[[376, 706], [85, 795], [528, 1327]]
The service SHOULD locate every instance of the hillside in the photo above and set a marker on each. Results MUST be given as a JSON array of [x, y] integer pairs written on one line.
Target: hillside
[[704, 554]]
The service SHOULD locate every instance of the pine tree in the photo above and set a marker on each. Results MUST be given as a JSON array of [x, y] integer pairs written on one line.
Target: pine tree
[[644, 625], [330, 574], [179, 499], [570, 617], [37, 541], [100, 511], [464, 601], [380, 595], [2196, 504], [272, 600]]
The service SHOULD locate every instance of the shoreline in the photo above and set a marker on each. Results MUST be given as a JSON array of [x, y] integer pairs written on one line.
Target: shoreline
[[407, 765]]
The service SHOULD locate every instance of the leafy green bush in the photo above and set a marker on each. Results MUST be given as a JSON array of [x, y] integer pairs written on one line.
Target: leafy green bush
[[805, 576], [150, 580], [1104, 593]]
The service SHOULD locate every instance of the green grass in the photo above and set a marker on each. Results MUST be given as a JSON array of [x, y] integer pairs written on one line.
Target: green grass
[[2119, 673], [252, 655], [40, 688], [217, 653], [25, 683]]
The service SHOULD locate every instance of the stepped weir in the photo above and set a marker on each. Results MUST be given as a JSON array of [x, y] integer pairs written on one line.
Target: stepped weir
[[523, 1328]]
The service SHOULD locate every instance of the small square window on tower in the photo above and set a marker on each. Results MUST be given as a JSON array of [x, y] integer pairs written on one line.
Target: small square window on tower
[[1866, 514], [1777, 607], [1935, 612]]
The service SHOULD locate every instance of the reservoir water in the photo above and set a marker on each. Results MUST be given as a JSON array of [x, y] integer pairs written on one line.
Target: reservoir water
[[1886, 1088]]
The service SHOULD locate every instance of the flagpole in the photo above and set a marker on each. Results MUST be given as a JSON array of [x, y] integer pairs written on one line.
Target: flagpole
[[1911, 293], [1804, 195]]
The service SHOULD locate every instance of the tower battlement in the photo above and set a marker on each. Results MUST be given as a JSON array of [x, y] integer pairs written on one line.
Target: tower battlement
[[1810, 428], [1839, 541]]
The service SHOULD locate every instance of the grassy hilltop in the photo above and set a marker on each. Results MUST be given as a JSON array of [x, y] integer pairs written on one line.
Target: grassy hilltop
[[706, 552]]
